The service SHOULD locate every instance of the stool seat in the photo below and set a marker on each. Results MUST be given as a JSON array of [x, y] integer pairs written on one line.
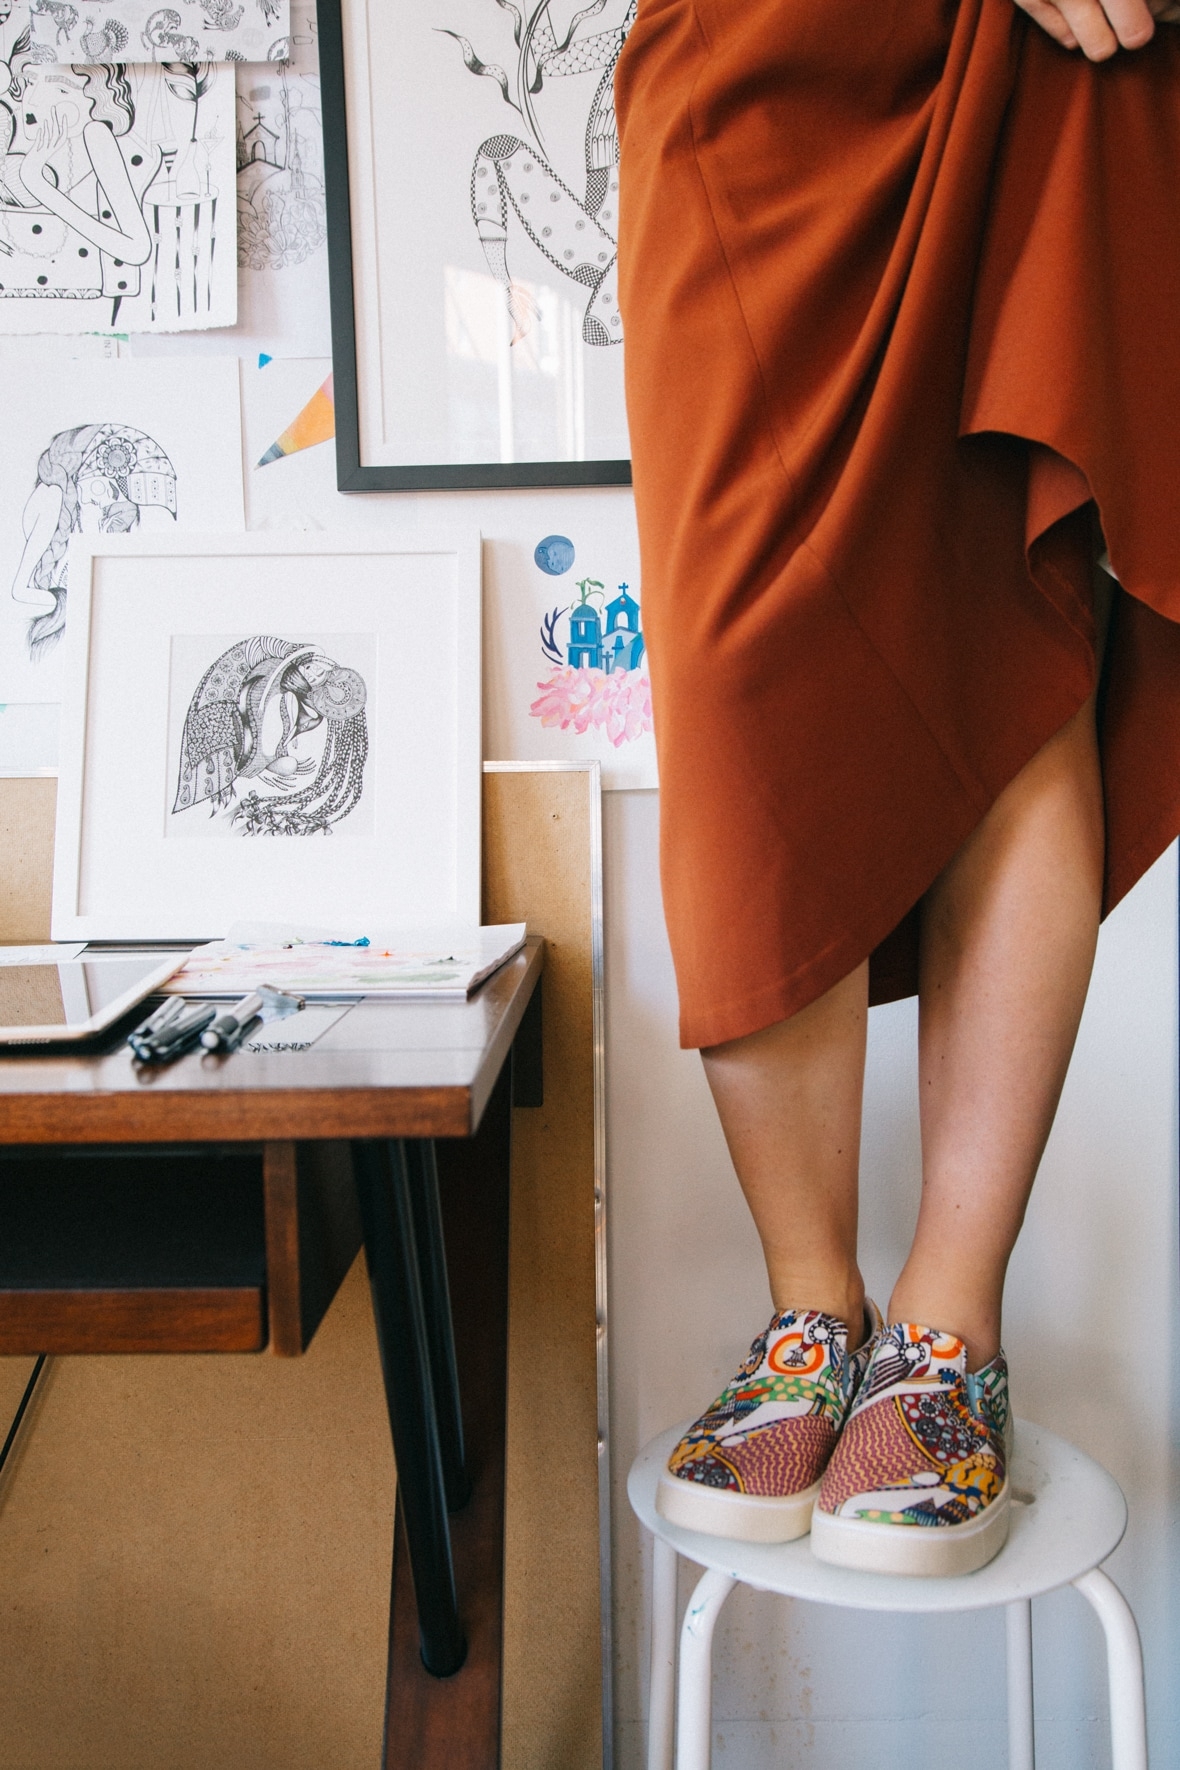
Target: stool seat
[[1068, 1515]]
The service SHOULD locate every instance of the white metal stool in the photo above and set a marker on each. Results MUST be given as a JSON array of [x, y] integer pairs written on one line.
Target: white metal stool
[[1068, 1517]]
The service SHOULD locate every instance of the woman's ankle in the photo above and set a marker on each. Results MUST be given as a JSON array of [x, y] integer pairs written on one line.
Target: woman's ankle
[[944, 1313], [842, 1297]]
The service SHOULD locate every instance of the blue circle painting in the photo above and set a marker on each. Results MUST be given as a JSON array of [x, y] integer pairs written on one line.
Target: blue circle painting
[[555, 554]]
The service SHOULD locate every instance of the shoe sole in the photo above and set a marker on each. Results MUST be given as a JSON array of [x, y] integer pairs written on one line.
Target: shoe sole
[[914, 1551], [743, 1517]]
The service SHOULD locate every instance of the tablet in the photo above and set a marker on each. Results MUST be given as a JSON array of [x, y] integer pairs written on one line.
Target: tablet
[[59, 995]]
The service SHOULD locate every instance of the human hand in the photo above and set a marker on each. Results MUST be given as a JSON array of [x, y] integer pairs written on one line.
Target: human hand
[[1099, 28], [51, 134]]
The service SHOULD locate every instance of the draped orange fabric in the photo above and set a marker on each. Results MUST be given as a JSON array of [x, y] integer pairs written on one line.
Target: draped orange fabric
[[901, 290]]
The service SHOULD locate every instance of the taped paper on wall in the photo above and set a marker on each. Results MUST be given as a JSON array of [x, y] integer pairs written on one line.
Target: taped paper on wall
[[117, 196], [102, 448], [144, 31]]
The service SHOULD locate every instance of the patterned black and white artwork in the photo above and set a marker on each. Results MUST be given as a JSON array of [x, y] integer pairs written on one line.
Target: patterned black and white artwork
[[117, 209], [519, 194], [282, 215], [101, 447], [142, 30], [104, 479], [484, 159], [274, 739]]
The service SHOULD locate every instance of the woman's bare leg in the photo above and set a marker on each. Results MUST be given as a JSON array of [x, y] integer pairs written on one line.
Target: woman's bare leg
[[789, 1099], [1008, 937]]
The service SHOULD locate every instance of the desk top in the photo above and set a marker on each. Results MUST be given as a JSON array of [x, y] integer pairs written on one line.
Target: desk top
[[385, 1069]]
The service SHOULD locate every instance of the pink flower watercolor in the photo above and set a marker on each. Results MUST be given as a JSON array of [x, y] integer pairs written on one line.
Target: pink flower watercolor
[[619, 704]]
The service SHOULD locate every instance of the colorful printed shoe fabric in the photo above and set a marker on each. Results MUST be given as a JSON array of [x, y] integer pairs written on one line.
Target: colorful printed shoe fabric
[[918, 1482], [750, 1467]]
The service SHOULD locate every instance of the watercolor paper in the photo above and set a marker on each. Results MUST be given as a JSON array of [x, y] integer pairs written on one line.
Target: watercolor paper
[[406, 967], [566, 656]]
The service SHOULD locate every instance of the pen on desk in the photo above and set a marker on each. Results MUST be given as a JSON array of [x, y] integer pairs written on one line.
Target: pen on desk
[[247, 1027], [225, 1034], [183, 1031], [169, 1008], [178, 1033], [145, 1034]]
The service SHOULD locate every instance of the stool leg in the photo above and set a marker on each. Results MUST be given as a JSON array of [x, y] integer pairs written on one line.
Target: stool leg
[[695, 1719], [661, 1699], [1124, 1662], [1021, 1747]]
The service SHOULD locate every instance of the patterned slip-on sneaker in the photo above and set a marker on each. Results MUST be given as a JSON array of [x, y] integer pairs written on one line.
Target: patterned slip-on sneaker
[[925, 1446], [750, 1468]]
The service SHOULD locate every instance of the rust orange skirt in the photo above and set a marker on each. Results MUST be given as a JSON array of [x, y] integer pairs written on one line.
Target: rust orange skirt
[[901, 290]]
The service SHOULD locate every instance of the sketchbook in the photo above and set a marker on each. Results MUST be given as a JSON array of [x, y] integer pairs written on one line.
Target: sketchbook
[[314, 964]]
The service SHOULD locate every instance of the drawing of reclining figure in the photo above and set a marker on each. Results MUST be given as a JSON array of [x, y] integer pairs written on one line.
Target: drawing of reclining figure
[[511, 178], [71, 220]]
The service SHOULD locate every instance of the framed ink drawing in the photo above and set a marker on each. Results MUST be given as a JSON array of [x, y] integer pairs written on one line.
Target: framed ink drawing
[[266, 729], [471, 165]]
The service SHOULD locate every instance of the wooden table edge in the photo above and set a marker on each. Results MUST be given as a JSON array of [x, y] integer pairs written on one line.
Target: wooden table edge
[[296, 1114]]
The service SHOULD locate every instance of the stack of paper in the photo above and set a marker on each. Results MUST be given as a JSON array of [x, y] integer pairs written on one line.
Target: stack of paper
[[322, 966]]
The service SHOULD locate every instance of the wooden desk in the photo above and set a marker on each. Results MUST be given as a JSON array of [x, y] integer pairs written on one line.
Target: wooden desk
[[262, 1160]]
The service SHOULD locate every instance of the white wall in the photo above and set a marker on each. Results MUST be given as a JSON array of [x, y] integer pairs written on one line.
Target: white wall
[[1091, 1332]]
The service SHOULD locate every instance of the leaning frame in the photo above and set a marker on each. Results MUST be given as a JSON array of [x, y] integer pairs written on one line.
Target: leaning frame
[[593, 771], [352, 473], [133, 600]]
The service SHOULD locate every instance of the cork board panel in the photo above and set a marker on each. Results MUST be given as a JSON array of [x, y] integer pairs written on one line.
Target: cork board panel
[[30, 995], [176, 1559], [27, 809], [195, 1559], [537, 848], [194, 1552]]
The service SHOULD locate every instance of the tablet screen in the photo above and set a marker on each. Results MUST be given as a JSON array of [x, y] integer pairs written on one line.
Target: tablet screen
[[72, 993]]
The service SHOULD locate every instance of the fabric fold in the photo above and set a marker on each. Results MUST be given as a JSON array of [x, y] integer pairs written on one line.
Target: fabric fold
[[897, 286]]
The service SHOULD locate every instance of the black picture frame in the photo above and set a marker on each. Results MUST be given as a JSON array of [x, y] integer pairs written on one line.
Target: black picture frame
[[353, 474]]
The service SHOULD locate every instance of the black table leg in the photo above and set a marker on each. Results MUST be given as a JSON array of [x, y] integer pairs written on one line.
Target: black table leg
[[384, 1189], [422, 1170], [432, 1723]]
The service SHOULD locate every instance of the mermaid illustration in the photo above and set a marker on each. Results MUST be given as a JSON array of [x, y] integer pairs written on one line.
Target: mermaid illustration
[[256, 711], [97, 479], [513, 184]]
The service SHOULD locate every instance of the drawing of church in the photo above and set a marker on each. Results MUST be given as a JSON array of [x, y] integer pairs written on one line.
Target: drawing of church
[[619, 647], [585, 642], [258, 145]]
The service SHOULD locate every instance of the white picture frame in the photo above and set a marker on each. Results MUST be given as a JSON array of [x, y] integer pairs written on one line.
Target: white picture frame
[[260, 727]]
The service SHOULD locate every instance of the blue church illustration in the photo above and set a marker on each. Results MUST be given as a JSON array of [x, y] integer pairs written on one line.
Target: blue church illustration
[[610, 641], [585, 642]]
